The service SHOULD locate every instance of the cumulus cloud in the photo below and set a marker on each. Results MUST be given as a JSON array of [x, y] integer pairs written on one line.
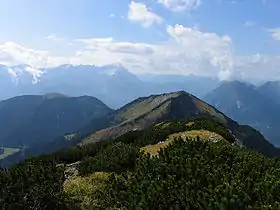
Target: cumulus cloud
[[180, 5], [274, 33], [15, 54], [186, 51], [138, 12], [202, 48]]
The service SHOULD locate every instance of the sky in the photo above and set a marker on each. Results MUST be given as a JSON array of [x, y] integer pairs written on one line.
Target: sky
[[231, 39]]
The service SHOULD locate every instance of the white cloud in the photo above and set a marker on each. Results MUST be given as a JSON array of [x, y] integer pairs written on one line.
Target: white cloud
[[274, 33], [202, 48], [15, 54], [54, 38], [138, 12], [187, 51], [180, 5], [112, 15], [120, 47]]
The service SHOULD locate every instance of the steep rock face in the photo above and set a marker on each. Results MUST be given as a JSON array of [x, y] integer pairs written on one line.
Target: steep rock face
[[35, 119], [250, 105]]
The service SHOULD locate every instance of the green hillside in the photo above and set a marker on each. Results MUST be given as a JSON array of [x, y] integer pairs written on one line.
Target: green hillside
[[157, 153], [190, 172]]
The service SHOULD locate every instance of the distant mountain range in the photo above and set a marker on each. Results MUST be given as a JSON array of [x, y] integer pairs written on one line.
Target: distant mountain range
[[113, 84], [248, 104]]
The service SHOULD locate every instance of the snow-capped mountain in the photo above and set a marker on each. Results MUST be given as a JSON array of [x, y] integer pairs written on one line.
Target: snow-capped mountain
[[113, 84]]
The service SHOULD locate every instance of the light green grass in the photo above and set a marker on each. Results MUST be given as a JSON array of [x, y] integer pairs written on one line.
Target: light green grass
[[154, 149], [9, 151], [203, 135], [83, 189]]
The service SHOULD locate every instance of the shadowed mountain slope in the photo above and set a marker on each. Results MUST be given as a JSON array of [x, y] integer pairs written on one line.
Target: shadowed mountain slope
[[36, 119]]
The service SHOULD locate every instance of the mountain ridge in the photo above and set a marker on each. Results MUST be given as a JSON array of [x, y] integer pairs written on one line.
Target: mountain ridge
[[23, 118], [180, 106]]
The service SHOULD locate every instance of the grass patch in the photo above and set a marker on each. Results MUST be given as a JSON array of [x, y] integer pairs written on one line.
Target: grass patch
[[9, 151], [153, 149], [82, 189], [203, 135]]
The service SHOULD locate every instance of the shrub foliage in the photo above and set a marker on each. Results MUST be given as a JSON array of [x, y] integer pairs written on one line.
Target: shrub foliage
[[190, 174]]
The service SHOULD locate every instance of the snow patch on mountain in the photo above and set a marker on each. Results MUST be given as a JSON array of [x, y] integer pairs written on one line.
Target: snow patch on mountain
[[238, 103]]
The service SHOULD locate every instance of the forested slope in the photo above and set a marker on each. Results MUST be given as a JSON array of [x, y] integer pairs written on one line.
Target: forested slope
[[189, 173]]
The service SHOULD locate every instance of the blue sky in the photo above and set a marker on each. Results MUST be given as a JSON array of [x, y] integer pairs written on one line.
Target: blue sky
[[54, 26]]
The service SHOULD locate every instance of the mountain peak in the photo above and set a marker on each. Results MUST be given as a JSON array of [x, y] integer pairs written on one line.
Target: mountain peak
[[145, 111]]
